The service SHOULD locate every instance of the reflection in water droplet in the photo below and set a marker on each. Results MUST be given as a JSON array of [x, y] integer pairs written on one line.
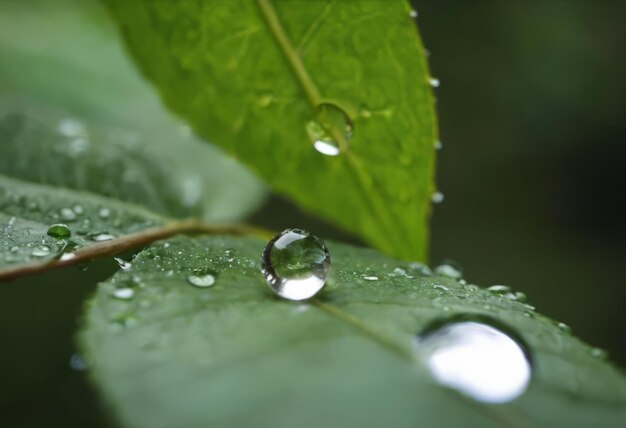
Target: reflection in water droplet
[[329, 124], [295, 264], [59, 231], [124, 293], [437, 197], [434, 82], [476, 359], [202, 279], [40, 250]]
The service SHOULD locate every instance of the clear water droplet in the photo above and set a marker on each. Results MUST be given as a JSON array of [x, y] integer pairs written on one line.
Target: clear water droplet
[[295, 264], [123, 264], [434, 82], [413, 13], [438, 145], [202, 279], [499, 289], [476, 359], [67, 214], [124, 293], [41, 250], [449, 270], [59, 230], [564, 328], [104, 213], [329, 124], [420, 268], [437, 197]]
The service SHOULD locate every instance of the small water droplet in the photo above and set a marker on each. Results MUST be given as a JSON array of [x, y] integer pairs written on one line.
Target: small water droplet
[[78, 209], [434, 82], [124, 293], [438, 145], [71, 127], [448, 270], [59, 230], [102, 237], [440, 287], [295, 264], [420, 268], [67, 214], [329, 124], [499, 289], [413, 13], [104, 213], [40, 250], [202, 279], [370, 278], [437, 197], [123, 264], [476, 359], [564, 328], [599, 353], [77, 363]]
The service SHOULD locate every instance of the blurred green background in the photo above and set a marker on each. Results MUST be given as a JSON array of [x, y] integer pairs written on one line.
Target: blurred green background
[[531, 108]]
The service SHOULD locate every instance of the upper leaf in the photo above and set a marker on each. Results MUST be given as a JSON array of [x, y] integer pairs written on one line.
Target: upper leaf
[[232, 354], [264, 81]]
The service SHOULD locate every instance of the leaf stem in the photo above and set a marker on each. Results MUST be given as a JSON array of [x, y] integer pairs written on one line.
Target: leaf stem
[[128, 242]]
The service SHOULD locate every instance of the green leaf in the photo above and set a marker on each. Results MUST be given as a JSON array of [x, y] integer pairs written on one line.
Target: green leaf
[[61, 61], [233, 354], [27, 211], [260, 79]]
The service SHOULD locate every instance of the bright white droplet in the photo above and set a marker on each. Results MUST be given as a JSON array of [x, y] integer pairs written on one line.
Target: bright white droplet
[[124, 293], [202, 280], [434, 82], [477, 360], [438, 145], [370, 278], [413, 13], [326, 148], [437, 198]]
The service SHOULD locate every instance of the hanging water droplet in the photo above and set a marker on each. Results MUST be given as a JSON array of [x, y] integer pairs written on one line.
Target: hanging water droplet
[[437, 198], [202, 279], [329, 125], [477, 360], [434, 82], [40, 250], [447, 269], [59, 230], [67, 214], [413, 13], [295, 264], [123, 264], [124, 293]]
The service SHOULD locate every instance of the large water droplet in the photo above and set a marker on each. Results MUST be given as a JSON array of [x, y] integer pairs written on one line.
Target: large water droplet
[[40, 250], [329, 124], [295, 264], [477, 360], [202, 279], [59, 231]]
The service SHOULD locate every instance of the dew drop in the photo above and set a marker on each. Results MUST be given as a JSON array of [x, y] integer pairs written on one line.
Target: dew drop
[[438, 145], [437, 198], [420, 268], [434, 82], [413, 13], [104, 213], [370, 278], [125, 293], [78, 209], [448, 270], [123, 264], [476, 359], [40, 250], [329, 124], [564, 328], [98, 237], [59, 230], [295, 264], [67, 214], [202, 279]]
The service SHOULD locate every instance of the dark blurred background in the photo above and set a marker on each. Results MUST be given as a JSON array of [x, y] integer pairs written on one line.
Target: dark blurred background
[[531, 108]]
